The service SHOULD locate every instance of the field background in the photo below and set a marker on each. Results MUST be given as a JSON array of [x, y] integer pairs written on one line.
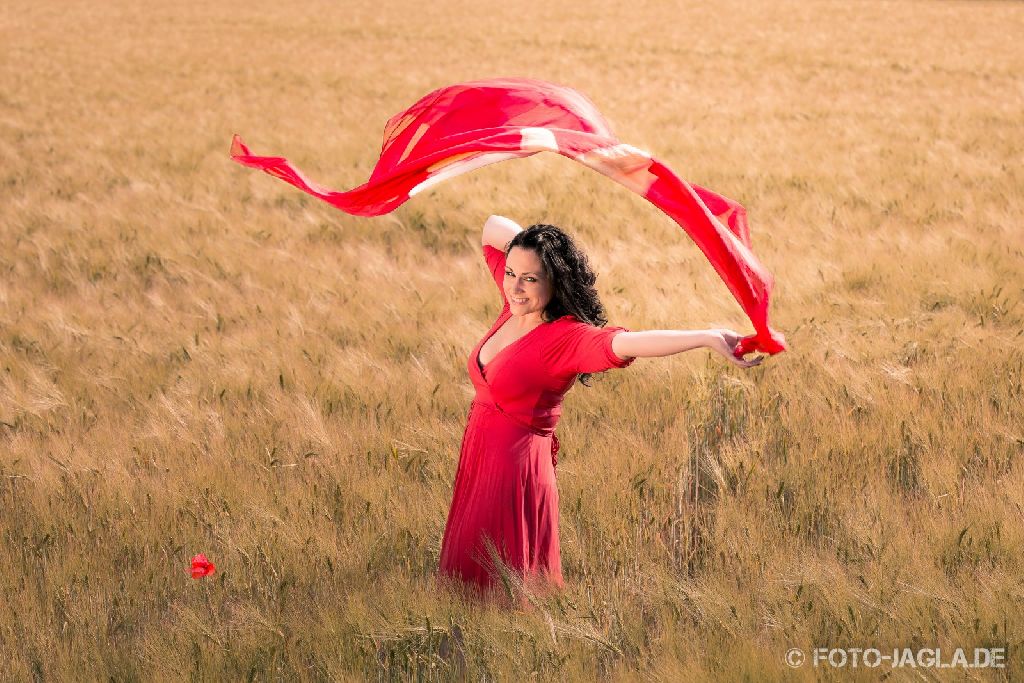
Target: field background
[[197, 357]]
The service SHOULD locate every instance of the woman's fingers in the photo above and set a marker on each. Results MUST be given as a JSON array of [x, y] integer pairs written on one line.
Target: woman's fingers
[[744, 363], [727, 347], [752, 362]]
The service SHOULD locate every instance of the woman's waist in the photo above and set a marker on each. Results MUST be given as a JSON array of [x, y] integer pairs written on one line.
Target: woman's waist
[[542, 422]]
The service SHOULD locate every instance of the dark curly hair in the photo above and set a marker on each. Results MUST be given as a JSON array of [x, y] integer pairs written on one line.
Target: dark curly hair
[[572, 278]]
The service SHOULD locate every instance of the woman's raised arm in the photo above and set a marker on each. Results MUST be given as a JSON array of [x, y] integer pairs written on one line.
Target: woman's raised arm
[[653, 343], [499, 231]]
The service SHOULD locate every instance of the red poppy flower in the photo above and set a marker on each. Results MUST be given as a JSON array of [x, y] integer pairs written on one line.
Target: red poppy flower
[[201, 566]]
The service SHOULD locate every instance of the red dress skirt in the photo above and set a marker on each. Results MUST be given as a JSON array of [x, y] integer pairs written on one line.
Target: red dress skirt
[[504, 511]]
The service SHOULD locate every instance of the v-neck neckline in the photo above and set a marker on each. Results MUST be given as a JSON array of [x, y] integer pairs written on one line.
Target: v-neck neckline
[[494, 330], [501, 323]]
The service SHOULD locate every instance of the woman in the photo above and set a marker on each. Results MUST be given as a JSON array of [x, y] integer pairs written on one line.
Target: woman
[[504, 514]]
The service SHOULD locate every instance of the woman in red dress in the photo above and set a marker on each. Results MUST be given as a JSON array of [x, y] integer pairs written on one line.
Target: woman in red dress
[[503, 521]]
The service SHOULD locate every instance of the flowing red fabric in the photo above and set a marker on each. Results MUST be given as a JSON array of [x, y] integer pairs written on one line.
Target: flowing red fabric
[[465, 126]]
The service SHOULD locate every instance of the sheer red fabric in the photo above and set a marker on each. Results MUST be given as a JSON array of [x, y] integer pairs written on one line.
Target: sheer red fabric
[[462, 127]]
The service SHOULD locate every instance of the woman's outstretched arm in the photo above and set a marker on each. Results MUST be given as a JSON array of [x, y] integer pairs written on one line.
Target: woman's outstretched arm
[[653, 343], [499, 231]]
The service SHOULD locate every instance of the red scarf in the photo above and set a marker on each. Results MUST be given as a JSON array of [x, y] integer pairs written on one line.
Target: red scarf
[[465, 126]]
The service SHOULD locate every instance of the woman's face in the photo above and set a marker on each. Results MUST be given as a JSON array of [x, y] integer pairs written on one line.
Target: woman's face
[[527, 287]]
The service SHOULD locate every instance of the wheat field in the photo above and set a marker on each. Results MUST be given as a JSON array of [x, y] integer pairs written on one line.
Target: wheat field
[[200, 358]]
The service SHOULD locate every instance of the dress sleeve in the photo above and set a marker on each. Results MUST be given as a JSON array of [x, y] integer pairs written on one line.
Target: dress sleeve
[[495, 259], [587, 348]]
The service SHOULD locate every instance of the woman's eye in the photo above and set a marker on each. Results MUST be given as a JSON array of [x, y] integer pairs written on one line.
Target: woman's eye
[[529, 279]]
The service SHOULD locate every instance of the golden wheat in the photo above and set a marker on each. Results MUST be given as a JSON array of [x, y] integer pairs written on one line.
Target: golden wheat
[[199, 358]]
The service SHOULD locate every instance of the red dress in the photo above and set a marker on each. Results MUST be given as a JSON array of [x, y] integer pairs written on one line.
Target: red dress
[[505, 488]]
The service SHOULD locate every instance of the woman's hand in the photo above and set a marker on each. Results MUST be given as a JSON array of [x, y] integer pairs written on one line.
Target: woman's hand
[[724, 342]]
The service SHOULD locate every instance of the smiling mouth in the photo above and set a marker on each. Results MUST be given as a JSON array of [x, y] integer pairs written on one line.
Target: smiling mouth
[[518, 301]]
